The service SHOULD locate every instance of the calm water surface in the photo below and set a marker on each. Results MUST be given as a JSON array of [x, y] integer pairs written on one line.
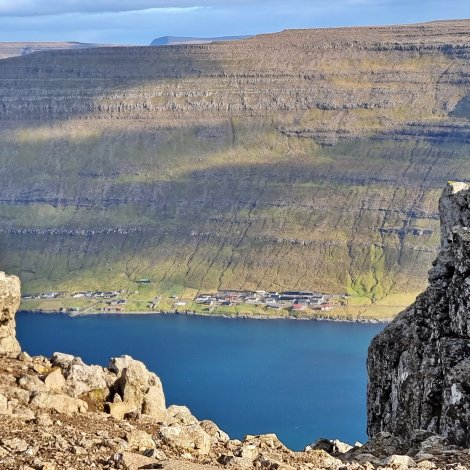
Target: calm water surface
[[300, 379]]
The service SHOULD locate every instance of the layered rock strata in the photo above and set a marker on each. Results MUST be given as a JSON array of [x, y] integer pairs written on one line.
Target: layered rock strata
[[308, 158], [419, 366]]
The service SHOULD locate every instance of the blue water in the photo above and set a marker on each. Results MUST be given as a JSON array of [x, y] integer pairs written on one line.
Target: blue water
[[300, 379]]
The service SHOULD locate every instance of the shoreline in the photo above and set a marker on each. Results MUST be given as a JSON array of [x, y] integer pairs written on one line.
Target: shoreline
[[339, 319]]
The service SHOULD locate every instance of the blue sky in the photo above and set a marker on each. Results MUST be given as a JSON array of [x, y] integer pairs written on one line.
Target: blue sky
[[140, 21]]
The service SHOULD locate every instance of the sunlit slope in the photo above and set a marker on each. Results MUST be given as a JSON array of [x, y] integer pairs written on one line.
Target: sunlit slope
[[305, 159]]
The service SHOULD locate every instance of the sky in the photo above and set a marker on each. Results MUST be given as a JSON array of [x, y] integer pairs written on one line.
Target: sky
[[140, 21]]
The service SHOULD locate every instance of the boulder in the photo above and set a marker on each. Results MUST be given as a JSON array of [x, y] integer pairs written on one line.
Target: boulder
[[140, 440], [186, 437], [17, 394], [55, 381], [32, 383], [59, 402], [399, 462], [216, 434], [132, 461], [270, 462], [119, 410], [15, 444], [10, 297], [382, 445], [62, 360], [154, 403], [331, 446], [181, 414], [81, 378], [248, 452], [140, 389]]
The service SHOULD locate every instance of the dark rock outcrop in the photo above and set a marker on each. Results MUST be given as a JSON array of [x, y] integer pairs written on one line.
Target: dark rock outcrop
[[419, 366]]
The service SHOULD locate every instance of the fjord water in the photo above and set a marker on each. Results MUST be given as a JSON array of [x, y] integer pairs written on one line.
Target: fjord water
[[300, 379]]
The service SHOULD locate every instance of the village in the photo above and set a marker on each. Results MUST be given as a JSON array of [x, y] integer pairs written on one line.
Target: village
[[295, 300], [116, 301]]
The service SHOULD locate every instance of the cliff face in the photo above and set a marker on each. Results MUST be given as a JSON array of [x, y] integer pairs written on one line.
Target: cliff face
[[419, 366], [304, 159]]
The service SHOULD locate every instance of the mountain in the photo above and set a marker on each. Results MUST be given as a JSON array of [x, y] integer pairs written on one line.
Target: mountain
[[12, 49], [307, 159], [175, 40]]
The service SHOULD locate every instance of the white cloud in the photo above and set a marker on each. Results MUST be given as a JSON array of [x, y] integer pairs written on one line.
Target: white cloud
[[56, 7]]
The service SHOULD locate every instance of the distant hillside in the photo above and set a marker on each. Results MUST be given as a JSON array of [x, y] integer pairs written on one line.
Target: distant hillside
[[307, 159], [13, 49], [173, 40]]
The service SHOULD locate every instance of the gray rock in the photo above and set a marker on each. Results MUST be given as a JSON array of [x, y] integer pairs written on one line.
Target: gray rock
[[186, 437], [399, 462], [81, 378], [132, 461], [141, 391], [216, 434], [62, 360], [181, 414], [23, 413], [15, 444], [59, 402], [31, 383], [44, 420], [10, 297], [140, 440], [17, 394], [23, 356], [119, 410], [331, 446], [419, 366], [55, 381], [248, 452], [154, 402], [4, 405]]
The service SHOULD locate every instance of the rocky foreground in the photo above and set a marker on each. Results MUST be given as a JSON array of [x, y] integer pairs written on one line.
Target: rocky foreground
[[60, 413]]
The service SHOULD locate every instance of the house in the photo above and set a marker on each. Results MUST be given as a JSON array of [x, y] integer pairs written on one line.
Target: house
[[299, 306], [274, 305], [49, 295], [326, 307]]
